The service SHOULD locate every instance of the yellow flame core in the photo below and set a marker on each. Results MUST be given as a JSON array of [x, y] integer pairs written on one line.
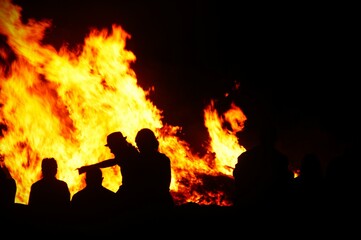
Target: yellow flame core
[[63, 104]]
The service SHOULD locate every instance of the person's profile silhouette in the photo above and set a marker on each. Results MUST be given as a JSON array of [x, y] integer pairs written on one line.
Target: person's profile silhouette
[[155, 172]]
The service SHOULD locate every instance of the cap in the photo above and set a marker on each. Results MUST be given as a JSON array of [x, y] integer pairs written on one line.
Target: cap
[[115, 138]]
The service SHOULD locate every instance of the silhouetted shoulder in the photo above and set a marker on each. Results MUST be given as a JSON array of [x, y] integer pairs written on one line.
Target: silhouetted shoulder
[[7, 189], [49, 192], [163, 157]]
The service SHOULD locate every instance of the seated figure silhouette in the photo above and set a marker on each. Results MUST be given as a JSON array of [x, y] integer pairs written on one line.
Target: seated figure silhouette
[[49, 199], [94, 203]]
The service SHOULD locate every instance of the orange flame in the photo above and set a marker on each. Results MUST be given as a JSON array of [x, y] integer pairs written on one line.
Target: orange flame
[[62, 104]]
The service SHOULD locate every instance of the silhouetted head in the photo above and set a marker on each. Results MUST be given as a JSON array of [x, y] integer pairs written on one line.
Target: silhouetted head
[[49, 167], [94, 177], [310, 165], [248, 136], [146, 140], [268, 134], [115, 139]]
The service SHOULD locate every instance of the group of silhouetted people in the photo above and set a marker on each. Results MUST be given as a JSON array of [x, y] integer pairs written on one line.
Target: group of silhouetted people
[[144, 194], [268, 193], [264, 186], [146, 174]]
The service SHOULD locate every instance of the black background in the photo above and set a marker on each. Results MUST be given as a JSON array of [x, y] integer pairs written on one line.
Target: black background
[[294, 62]]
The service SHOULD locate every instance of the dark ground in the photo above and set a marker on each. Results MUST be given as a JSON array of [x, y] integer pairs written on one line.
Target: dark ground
[[189, 221]]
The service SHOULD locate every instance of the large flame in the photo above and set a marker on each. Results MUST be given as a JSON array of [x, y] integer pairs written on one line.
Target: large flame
[[63, 104]]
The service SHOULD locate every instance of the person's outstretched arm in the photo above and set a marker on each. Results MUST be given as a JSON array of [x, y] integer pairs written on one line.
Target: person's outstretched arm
[[102, 164]]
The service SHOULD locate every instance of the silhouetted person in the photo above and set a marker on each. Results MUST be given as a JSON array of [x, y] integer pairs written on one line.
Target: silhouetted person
[[155, 172], [308, 193], [309, 184], [49, 199], [11, 213], [126, 156], [7, 190], [261, 174], [94, 204], [343, 185]]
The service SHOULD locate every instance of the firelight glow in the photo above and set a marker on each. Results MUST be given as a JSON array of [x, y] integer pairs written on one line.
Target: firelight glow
[[63, 104]]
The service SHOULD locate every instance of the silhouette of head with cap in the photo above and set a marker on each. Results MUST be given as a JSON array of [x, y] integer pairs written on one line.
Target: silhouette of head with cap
[[115, 138], [116, 142]]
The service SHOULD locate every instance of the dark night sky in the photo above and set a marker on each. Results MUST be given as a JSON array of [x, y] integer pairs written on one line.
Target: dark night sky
[[293, 61]]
